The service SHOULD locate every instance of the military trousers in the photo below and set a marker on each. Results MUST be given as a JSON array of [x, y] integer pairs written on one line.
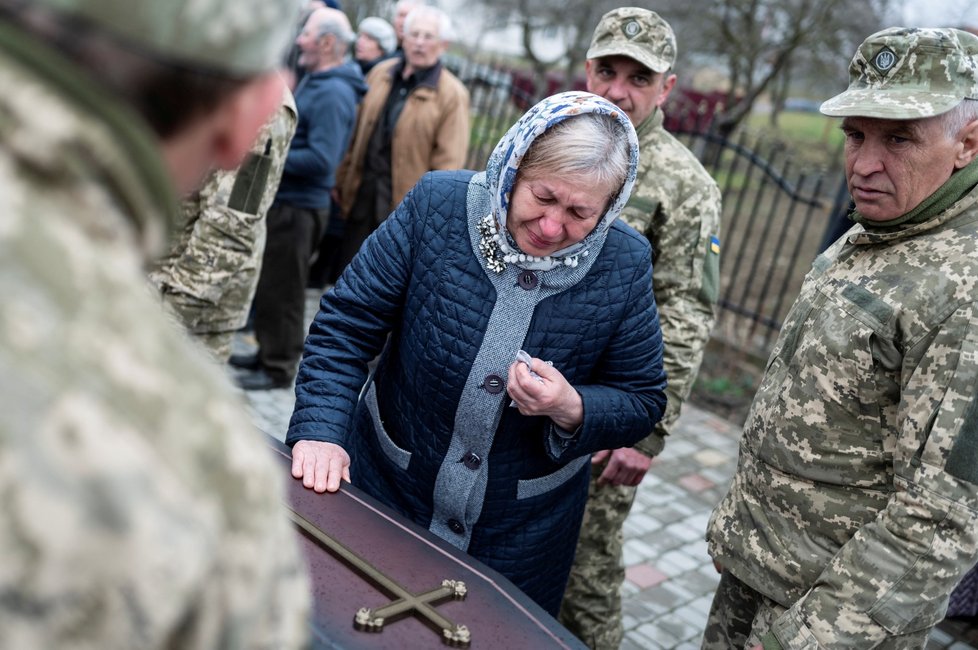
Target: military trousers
[[740, 616], [280, 298], [591, 608], [218, 343], [216, 337]]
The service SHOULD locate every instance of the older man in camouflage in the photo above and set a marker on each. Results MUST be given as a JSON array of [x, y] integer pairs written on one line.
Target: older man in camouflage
[[209, 275], [677, 205], [854, 509], [140, 508]]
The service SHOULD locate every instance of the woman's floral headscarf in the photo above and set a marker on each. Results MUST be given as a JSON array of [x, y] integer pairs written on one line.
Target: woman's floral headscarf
[[505, 161]]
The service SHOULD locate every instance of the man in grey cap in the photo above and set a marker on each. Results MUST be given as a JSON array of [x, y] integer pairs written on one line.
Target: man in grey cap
[[140, 507], [676, 204], [854, 509]]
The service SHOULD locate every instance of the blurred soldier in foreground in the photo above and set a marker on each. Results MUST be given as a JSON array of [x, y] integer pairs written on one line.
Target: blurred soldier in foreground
[[854, 509], [209, 275], [140, 508], [677, 205]]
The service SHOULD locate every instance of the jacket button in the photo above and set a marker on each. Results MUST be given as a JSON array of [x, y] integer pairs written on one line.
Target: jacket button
[[493, 384], [528, 280], [456, 526], [472, 460]]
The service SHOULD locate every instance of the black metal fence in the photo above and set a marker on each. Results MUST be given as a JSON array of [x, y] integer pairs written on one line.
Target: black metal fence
[[496, 103], [774, 213], [774, 220]]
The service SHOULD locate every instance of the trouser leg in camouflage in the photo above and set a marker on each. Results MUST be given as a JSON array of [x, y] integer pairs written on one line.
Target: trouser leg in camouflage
[[732, 617], [591, 609], [219, 343], [740, 616]]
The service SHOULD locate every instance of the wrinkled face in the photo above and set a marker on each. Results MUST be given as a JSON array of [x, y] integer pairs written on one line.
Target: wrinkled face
[[310, 43], [548, 214], [366, 48], [423, 45], [628, 84], [893, 165]]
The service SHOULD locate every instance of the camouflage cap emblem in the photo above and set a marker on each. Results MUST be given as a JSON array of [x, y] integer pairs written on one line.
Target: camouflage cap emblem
[[631, 28], [884, 60], [909, 73], [637, 33]]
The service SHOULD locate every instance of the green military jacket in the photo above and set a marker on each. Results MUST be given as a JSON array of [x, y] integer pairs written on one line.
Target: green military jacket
[[140, 507], [676, 204], [855, 503], [208, 276]]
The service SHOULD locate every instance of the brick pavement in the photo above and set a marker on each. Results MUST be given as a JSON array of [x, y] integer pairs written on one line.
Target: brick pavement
[[670, 579]]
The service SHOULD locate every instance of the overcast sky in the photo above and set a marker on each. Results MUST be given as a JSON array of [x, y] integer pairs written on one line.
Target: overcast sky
[[940, 13]]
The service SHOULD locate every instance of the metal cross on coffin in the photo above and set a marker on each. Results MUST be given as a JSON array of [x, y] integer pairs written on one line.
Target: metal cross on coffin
[[373, 619]]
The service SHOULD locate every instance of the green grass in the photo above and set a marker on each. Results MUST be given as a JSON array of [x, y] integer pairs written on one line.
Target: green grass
[[727, 180], [814, 140], [489, 128]]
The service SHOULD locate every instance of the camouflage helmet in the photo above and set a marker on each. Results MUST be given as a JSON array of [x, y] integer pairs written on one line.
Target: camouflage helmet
[[637, 33], [909, 73], [238, 36]]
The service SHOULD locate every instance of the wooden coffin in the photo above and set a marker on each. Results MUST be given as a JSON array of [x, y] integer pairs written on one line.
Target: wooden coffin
[[414, 591]]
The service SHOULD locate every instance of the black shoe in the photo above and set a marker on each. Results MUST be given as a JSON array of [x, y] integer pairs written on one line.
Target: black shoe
[[245, 361], [261, 380]]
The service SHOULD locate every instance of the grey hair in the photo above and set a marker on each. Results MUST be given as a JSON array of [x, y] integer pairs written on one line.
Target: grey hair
[[445, 30], [344, 36], [413, 3], [591, 145], [381, 31], [959, 117]]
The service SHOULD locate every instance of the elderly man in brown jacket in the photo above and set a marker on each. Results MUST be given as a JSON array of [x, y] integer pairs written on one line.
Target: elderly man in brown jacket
[[414, 119]]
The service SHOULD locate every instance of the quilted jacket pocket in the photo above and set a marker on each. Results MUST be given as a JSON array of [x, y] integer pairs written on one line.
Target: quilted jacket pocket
[[536, 486], [400, 457]]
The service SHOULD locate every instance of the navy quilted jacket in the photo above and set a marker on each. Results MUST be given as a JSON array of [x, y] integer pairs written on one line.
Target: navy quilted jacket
[[512, 493]]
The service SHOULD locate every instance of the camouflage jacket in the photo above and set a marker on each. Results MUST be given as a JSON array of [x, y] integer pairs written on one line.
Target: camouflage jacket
[[677, 205], [209, 274], [140, 508], [855, 502]]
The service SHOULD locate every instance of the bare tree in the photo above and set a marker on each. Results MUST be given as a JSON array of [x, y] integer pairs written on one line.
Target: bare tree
[[570, 21], [763, 40], [756, 41], [357, 11]]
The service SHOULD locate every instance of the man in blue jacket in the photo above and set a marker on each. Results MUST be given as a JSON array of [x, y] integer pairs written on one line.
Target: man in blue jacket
[[327, 99]]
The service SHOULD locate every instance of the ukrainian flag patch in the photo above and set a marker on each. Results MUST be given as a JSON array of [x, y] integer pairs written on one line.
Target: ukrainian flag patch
[[715, 245]]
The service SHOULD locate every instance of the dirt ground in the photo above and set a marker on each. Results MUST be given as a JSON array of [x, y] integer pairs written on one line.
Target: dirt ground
[[726, 381]]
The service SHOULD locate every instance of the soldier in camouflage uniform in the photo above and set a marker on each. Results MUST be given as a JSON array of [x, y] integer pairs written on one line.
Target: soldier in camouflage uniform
[[677, 205], [140, 507], [209, 275], [854, 509]]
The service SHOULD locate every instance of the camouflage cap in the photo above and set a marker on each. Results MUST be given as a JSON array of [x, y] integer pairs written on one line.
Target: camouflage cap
[[909, 73], [239, 36], [637, 33]]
